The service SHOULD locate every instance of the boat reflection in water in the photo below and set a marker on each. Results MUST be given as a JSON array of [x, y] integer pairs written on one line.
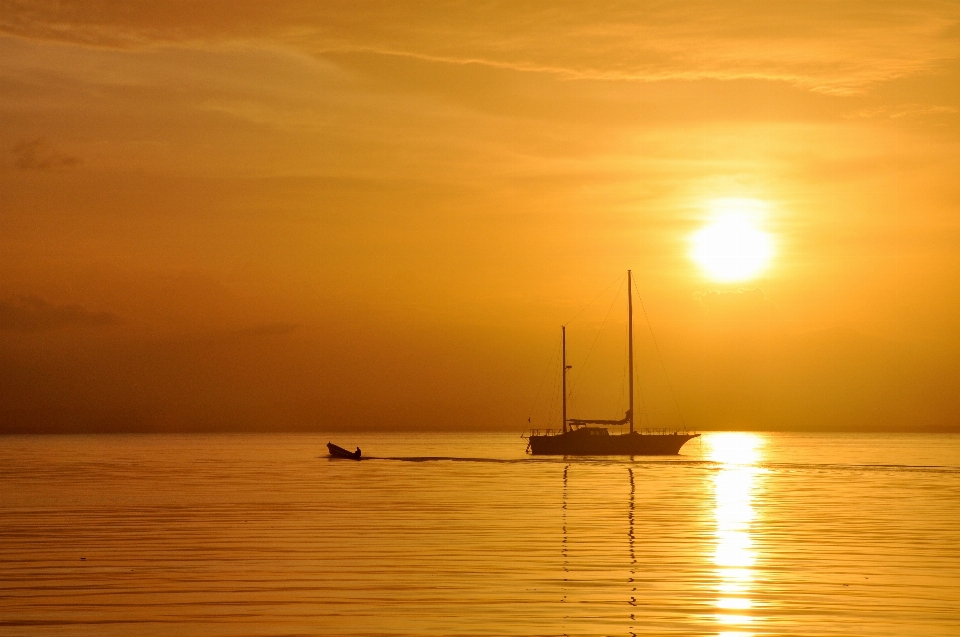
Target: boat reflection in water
[[734, 487]]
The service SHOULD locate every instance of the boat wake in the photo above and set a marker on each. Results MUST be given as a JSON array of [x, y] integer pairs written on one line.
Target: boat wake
[[539, 460], [694, 463]]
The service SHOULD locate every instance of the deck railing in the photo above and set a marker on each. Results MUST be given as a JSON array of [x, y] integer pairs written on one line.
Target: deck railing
[[643, 431], [542, 432]]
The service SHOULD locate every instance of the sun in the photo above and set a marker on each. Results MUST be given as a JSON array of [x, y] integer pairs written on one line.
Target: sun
[[731, 247]]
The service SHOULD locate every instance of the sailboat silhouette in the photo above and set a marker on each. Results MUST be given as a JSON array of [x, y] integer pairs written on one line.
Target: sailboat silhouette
[[577, 438]]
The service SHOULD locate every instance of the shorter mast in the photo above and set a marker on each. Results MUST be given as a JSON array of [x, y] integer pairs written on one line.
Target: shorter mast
[[630, 339], [563, 363]]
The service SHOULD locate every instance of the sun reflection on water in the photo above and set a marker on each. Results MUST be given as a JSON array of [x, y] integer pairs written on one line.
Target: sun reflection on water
[[734, 555]]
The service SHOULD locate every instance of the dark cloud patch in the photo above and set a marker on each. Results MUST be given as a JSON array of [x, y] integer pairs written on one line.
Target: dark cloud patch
[[270, 329], [33, 314], [37, 154]]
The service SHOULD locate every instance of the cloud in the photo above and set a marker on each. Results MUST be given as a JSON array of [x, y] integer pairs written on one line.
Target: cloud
[[741, 303], [820, 45], [270, 329], [901, 110], [33, 314], [37, 154]]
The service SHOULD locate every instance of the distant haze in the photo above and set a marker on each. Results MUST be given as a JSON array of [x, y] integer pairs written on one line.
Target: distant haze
[[248, 216]]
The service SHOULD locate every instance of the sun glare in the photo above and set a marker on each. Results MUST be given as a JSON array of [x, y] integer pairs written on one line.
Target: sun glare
[[731, 247], [734, 556]]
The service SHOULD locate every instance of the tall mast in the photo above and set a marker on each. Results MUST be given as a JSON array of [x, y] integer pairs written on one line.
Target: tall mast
[[563, 350], [630, 339]]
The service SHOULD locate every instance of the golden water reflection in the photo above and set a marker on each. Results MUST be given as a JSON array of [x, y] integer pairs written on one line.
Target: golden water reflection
[[734, 556]]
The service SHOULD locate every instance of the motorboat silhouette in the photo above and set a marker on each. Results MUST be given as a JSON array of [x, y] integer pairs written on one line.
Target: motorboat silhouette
[[340, 452]]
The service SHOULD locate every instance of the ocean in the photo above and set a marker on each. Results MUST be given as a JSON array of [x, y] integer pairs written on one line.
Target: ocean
[[464, 534]]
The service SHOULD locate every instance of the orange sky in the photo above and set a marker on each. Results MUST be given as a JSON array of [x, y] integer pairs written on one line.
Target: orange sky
[[322, 216]]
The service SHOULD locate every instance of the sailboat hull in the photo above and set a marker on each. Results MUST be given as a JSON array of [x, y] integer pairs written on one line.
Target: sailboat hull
[[588, 441]]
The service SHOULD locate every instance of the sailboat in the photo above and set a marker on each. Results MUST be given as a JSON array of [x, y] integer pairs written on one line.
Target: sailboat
[[578, 438]]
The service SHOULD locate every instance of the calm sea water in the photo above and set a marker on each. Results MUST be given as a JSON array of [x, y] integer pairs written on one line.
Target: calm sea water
[[743, 534]]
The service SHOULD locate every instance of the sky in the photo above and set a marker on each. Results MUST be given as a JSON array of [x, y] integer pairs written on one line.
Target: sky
[[302, 216]]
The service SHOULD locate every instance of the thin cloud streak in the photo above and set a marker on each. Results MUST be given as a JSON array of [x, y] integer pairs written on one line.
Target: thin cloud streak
[[24, 313], [820, 46]]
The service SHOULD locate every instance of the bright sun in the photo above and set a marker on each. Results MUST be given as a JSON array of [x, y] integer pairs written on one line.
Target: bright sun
[[731, 247]]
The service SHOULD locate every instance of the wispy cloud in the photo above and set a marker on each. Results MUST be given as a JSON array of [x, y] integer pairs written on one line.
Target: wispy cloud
[[737, 302], [37, 154], [823, 46], [33, 314], [900, 111], [270, 329]]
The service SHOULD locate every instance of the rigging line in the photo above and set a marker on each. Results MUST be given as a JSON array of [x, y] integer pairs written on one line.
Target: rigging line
[[626, 369], [553, 398], [643, 406], [594, 300], [623, 381], [583, 367], [662, 365], [643, 402], [543, 377]]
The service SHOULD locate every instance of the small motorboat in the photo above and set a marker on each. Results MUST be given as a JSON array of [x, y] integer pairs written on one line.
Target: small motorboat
[[340, 452]]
